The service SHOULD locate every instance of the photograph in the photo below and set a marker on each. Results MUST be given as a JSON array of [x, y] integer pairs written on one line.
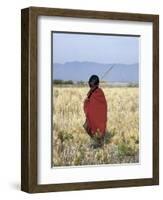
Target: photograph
[[89, 99], [95, 99]]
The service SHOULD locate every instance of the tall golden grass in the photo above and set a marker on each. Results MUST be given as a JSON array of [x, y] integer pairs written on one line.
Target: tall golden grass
[[71, 144]]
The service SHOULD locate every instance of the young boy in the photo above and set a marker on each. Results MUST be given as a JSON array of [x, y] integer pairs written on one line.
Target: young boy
[[95, 109]]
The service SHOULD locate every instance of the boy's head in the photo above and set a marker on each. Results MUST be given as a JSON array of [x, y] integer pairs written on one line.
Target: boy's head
[[93, 81]]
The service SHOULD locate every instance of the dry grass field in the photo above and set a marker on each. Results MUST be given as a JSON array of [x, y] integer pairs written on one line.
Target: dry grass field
[[71, 144]]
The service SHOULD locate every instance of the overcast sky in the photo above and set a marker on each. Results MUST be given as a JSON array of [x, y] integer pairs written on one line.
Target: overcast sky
[[95, 48]]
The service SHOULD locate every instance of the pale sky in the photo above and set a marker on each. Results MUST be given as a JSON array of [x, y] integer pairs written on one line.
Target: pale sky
[[69, 47]]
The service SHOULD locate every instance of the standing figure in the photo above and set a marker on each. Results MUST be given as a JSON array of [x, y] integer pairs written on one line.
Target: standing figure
[[95, 109]]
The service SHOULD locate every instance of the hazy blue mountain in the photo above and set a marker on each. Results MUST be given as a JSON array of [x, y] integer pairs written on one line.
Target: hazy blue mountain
[[77, 71]]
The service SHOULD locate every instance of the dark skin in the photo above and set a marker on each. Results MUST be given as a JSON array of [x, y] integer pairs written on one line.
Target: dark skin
[[92, 88]]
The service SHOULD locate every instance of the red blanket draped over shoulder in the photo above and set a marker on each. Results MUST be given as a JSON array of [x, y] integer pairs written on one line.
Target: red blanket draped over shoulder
[[95, 108]]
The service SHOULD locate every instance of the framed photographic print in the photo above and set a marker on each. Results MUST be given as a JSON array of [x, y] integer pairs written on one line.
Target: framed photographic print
[[90, 99]]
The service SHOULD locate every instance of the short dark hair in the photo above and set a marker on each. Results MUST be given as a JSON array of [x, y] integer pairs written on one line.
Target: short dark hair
[[93, 81]]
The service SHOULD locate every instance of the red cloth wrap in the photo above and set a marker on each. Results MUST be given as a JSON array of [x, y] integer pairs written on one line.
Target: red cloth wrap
[[95, 109]]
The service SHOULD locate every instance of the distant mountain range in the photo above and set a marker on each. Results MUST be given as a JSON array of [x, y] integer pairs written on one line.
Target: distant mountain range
[[81, 71]]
